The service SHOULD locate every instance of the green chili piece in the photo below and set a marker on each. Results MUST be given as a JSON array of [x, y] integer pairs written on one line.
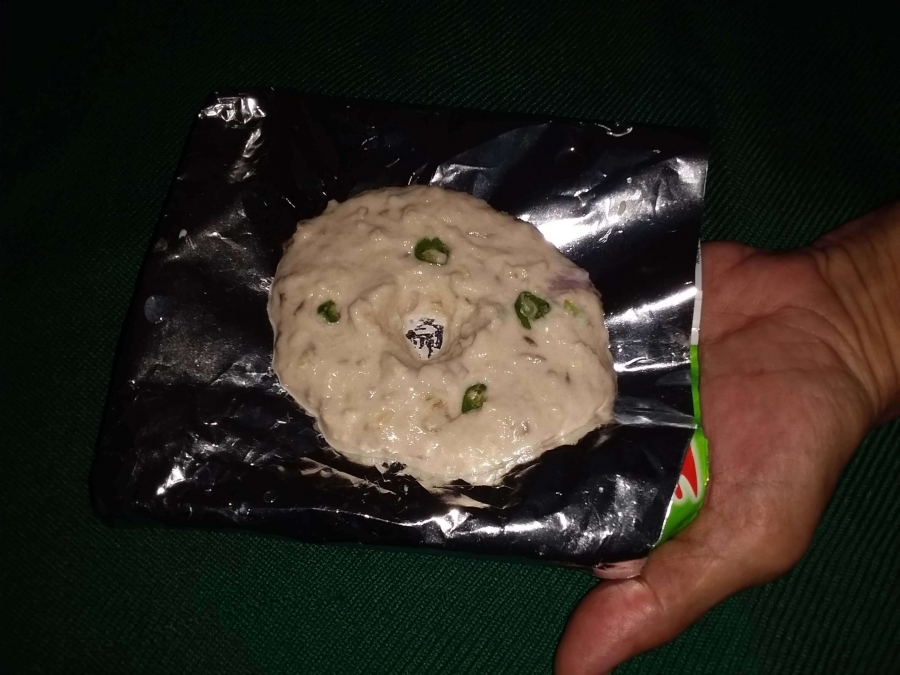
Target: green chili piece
[[473, 399], [432, 251], [329, 311], [572, 308], [530, 307]]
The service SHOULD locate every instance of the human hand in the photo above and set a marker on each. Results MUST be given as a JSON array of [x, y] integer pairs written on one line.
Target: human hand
[[800, 356]]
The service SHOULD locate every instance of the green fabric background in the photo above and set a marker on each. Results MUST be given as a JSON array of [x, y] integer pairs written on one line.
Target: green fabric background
[[97, 102]]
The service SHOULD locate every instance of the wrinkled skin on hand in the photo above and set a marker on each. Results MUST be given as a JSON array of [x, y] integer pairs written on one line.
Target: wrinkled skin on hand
[[790, 383]]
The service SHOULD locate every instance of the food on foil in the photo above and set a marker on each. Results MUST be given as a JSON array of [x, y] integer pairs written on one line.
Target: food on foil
[[418, 325]]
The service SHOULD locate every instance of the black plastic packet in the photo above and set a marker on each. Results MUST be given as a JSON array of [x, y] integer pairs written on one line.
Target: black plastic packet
[[198, 431]]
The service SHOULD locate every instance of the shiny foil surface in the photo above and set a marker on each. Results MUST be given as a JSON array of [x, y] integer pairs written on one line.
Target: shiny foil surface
[[198, 431]]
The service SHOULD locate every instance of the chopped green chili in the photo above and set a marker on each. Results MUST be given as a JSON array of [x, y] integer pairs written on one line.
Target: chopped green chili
[[473, 399], [432, 251], [572, 308], [530, 307], [329, 311]]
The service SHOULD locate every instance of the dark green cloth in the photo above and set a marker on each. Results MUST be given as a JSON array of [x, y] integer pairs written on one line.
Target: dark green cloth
[[97, 101]]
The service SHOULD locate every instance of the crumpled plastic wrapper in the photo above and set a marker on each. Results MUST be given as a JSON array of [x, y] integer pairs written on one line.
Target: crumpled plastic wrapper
[[198, 430]]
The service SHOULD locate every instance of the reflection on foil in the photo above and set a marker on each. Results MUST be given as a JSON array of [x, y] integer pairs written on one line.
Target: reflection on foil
[[451, 520], [615, 131], [479, 170], [175, 477], [635, 412], [690, 173], [642, 365], [561, 232], [642, 312], [523, 527], [241, 109], [253, 143], [643, 197]]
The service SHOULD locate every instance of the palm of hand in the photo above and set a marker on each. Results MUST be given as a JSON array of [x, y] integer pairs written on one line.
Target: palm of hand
[[780, 406], [781, 403]]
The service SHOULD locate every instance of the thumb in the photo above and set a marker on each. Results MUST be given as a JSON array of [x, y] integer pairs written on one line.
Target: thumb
[[617, 620]]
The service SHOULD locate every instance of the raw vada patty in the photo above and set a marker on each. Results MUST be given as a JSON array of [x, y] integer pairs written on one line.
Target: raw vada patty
[[418, 325]]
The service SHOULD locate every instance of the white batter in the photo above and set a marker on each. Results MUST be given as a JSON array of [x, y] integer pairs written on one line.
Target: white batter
[[382, 346]]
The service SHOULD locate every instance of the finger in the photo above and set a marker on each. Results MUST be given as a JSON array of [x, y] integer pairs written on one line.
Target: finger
[[617, 620]]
